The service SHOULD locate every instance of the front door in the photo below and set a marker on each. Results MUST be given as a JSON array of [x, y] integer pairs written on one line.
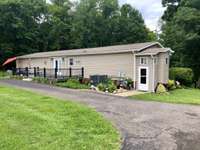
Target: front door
[[57, 64], [143, 79]]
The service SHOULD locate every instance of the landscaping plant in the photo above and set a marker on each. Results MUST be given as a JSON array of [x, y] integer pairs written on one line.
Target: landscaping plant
[[161, 89], [171, 85], [108, 86], [182, 75], [73, 84]]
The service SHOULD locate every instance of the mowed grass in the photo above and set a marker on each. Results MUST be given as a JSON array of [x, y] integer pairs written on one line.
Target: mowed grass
[[180, 96], [30, 121], [3, 74]]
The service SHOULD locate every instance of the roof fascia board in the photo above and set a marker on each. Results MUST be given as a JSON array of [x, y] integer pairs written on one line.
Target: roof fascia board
[[71, 55], [150, 46]]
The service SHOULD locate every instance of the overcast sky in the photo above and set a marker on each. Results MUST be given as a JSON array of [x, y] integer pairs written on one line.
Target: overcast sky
[[151, 10]]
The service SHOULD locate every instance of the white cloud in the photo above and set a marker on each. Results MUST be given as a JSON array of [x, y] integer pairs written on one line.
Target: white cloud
[[151, 10]]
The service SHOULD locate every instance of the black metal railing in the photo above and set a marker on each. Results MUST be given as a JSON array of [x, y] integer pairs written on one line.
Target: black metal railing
[[49, 73]]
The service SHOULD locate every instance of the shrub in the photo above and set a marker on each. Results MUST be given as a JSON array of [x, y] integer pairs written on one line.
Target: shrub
[[183, 75], [161, 89], [73, 84], [109, 85], [112, 88], [85, 81], [129, 83], [101, 87], [171, 85], [198, 83]]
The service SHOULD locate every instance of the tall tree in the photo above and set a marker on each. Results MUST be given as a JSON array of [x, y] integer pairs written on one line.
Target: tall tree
[[19, 26], [28, 26], [182, 33], [103, 22], [172, 6]]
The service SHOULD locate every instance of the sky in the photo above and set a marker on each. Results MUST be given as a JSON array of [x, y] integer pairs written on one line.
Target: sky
[[151, 10]]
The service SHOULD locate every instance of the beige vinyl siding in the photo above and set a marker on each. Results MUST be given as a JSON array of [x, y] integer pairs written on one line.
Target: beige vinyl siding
[[22, 63], [34, 62], [163, 68], [108, 64], [156, 64]]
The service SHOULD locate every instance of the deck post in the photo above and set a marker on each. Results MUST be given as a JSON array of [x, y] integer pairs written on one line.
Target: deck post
[[35, 72], [44, 73], [56, 73], [70, 72], [27, 71], [82, 72]]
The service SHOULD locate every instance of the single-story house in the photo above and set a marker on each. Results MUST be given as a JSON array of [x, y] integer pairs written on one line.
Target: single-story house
[[147, 64]]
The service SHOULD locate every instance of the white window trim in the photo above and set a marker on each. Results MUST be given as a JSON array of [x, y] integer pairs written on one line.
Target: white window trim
[[144, 58], [72, 61]]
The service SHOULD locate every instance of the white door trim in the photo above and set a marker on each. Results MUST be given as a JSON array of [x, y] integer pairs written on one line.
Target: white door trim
[[59, 60], [143, 87]]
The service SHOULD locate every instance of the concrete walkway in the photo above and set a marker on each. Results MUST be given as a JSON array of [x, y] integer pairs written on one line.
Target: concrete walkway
[[143, 125]]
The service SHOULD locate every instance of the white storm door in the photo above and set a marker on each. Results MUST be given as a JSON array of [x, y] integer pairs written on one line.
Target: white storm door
[[57, 64], [143, 79]]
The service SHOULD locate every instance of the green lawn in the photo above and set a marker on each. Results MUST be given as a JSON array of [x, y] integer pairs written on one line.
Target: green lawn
[[29, 121], [181, 96], [3, 74]]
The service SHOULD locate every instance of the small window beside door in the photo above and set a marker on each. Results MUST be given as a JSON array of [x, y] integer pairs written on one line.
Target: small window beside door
[[143, 61], [71, 61]]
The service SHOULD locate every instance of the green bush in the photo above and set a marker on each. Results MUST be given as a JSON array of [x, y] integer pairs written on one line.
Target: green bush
[[101, 87], [109, 85], [183, 75], [73, 84], [161, 89], [171, 85], [112, 88]]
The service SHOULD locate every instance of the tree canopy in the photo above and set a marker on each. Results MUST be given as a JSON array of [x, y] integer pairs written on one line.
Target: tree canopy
[[28, 26], [181, 32]]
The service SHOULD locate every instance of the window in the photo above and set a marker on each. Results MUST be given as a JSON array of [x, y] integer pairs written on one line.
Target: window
[[143, 73], [143, 61], [167, 60], [71, 61]]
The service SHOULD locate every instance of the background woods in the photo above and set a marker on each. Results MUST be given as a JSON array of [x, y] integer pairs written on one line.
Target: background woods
[[28, 26], [181, 32]]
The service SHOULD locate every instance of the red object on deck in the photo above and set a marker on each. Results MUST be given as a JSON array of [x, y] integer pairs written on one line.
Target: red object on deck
[[9, 60]]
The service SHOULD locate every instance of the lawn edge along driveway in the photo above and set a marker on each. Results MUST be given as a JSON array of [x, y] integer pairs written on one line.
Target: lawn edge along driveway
[[178, 96], [33, 121], [142, 125]]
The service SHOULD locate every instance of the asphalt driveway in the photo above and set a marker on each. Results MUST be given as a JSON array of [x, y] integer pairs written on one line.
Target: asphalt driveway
[[143, 125]]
